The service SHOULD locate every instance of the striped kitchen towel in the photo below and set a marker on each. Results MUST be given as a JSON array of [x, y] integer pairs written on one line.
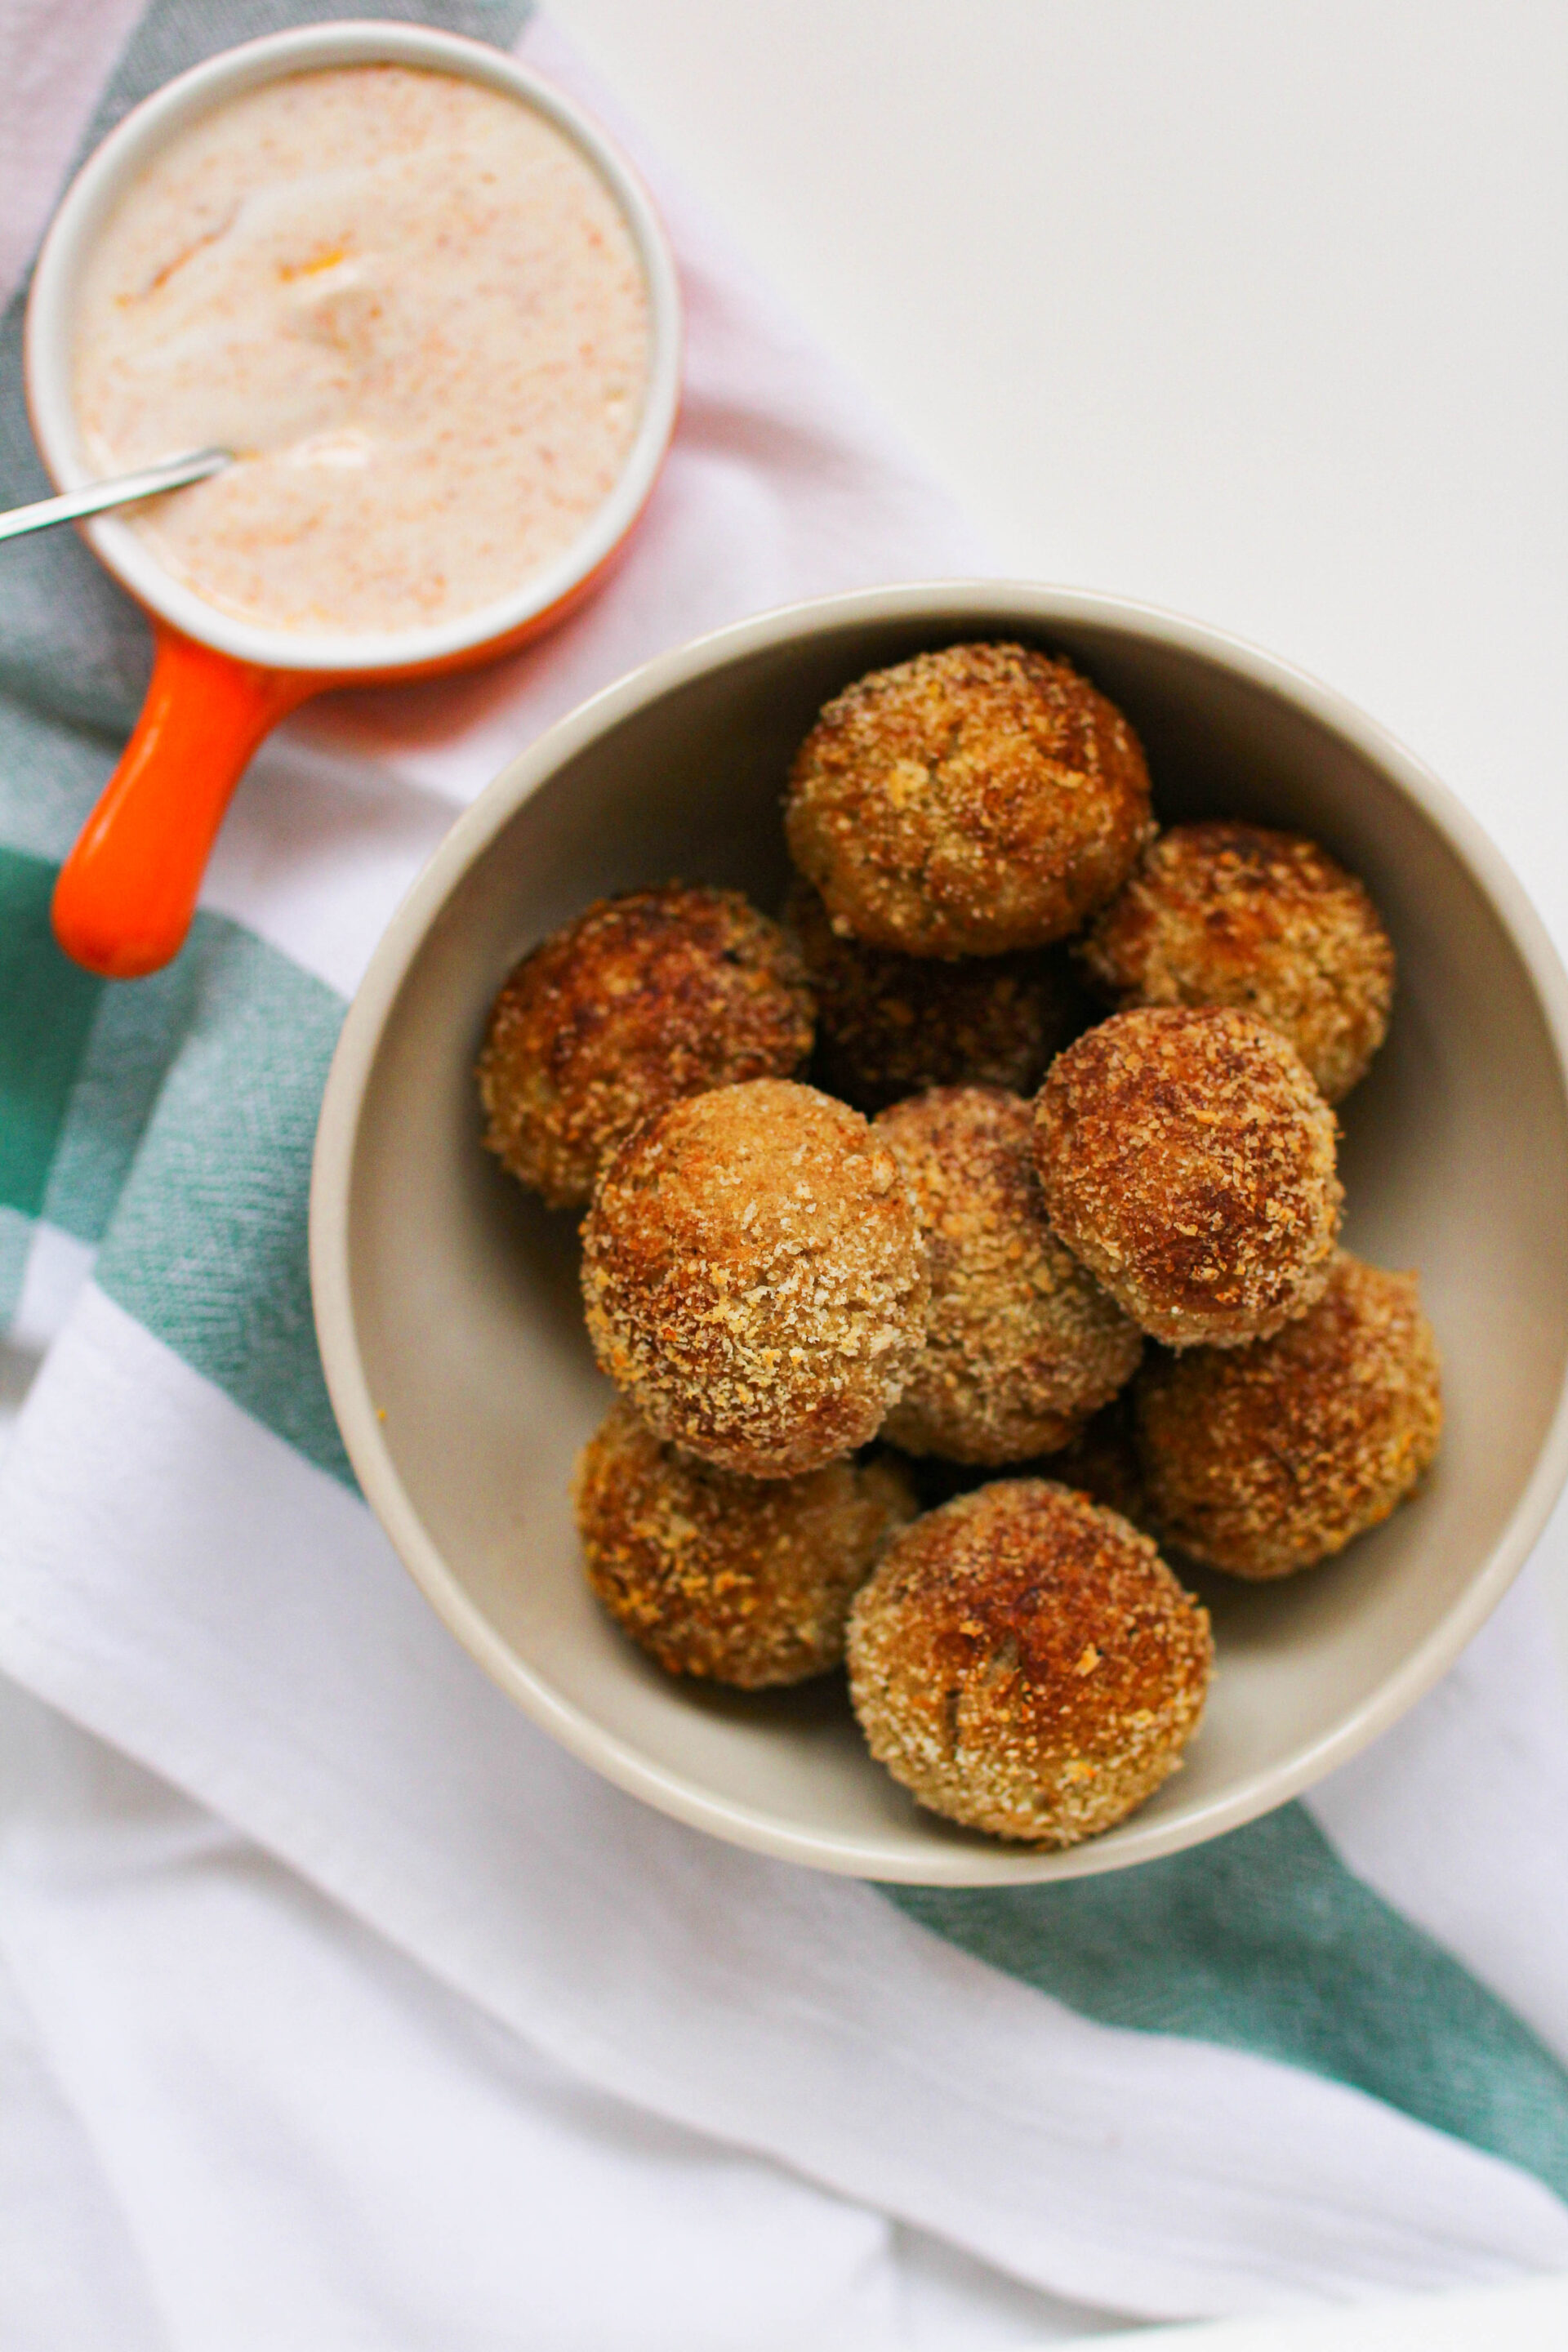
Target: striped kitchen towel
[[1322, 2056]]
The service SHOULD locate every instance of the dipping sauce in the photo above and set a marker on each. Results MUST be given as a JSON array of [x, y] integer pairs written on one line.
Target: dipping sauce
[[412, 308]]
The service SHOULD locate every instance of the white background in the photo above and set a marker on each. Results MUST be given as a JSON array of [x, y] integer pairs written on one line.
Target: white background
[[1254, 311]]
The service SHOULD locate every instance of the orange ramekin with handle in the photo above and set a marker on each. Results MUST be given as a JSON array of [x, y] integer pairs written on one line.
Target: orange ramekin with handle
[[128, 890]]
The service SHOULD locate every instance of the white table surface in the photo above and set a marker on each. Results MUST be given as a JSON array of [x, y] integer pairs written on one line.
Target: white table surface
[[1253, 312]]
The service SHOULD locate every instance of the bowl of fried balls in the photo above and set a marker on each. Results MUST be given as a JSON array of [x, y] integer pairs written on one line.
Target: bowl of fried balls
[[938, 1233]]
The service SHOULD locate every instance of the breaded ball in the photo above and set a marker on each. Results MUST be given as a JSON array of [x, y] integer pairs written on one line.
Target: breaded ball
[[890, 1025], [743, 1581], [1262, 1460], [1230, 913], [755, 1277], [1022, 1344], [1102, 1462], [1024, 1662], [1188, 1159], [967, 803], [641, 1000]]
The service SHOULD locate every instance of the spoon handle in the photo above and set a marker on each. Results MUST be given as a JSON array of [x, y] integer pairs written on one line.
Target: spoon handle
[[172, 475]]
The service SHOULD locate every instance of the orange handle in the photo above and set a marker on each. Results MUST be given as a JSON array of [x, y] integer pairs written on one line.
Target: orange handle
[[127, 892]]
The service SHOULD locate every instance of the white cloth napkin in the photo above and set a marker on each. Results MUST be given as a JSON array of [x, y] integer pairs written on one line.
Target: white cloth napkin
[[348, 2008]]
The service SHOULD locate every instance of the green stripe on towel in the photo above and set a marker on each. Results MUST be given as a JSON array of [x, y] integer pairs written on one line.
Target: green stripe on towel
[[207, 1244], [51, 772], [16, 1244], [173, 1118], [1264, 1941], [134, 1036], [48, 1004]]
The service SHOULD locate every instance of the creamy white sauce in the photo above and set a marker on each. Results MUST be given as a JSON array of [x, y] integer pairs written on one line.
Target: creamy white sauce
[[415, 311]]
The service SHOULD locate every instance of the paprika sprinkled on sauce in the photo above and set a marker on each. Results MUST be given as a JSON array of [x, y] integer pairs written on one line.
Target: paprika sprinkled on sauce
[[413, 308]]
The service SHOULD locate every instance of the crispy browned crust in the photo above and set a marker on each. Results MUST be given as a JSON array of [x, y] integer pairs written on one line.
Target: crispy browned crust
[[1024, 1662], [642, 1000], [890, 1025], [1263, 1459], [1022, 1344], [967, 803], [741, 1581], [754, 1276], [1188, 1159], [1102, 1462], [1221, 913]]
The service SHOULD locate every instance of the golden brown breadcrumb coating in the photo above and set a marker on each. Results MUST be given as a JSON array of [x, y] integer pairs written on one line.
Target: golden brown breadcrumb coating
[[1188, 1159], [1024, 1662], [644, 999], [967, 803], [1221, 913], [754, 1276], [744, 1581], [890, 1025], [1022, 1344], [1263, 1459], [1102, 1462]]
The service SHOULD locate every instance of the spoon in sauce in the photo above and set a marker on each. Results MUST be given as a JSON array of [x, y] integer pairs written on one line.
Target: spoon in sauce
[[172, 474]]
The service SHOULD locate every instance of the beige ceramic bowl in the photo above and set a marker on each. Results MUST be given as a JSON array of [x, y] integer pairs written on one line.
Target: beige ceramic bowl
[[447, 1305]]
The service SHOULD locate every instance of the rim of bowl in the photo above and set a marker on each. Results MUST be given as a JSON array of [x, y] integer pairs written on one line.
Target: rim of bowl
[[51, 310], [858, 1855]]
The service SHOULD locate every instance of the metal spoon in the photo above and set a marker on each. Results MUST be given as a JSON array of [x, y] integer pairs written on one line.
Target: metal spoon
[[172, 475]]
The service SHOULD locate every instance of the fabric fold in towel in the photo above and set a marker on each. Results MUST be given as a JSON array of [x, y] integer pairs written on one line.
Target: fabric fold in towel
[[1324, 2057]]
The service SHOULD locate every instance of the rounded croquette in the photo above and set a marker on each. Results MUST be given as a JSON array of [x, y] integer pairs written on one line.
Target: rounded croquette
[[742, 1580], [754, 1276], [1220, 913], [1187, 1158], [642, 999], [967, 803], [1022, 1344], [890, 1025], [1263, 1459], [1022, 1661], [1102, 1462]]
